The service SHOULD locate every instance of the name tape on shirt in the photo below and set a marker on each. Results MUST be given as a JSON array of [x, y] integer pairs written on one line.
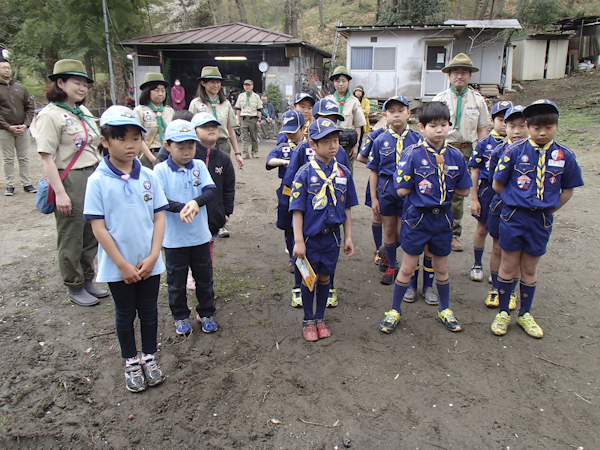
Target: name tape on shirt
[[554, 163]]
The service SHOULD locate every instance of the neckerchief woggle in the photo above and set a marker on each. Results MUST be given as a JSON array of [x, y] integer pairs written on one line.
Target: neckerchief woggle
[[320, 200]]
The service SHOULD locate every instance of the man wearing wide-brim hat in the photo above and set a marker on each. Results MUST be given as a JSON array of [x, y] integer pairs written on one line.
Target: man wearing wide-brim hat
[[469, 116]]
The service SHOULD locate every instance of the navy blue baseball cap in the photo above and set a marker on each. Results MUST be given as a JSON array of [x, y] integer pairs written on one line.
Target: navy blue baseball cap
[[513, 111], [118, 116], [540, 106], [301, 96], [501, 107], [396, 98], [321, 128], [291, 121], [327, 108], [180, 131]]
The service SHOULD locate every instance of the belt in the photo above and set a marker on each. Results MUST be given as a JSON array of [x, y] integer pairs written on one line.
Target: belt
[[250, 117], [329, 230], [462, 145], [484, 181], [534, 210], [433, 210]]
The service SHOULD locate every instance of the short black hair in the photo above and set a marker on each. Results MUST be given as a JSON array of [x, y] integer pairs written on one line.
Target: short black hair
[[183, 114], [115, 131], [145, 95], [543, 119], [4, 60], [434, 111]]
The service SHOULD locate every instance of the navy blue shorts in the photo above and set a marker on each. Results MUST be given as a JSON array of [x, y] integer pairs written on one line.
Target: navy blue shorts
[[485, 193], [284, 215], [522, 229], [493, 221], [368, 195], [427, 226], [390, 202], [323, 251]]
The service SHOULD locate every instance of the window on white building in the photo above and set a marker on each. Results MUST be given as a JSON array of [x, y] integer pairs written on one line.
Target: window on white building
[[384, 58], [373, 58], [362, 58]]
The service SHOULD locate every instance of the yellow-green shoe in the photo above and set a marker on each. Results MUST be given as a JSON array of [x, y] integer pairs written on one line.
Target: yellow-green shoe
[[389, 322], [492, 300], [332, 300], [500, 323], [531, 328], [446, 316], [513, 301], [296, 298]]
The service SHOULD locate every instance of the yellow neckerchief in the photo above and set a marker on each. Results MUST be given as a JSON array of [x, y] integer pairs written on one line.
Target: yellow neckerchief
[[497, 135], [399, 142], [321, 197], [439, 160], [291, 144], [540, 172]]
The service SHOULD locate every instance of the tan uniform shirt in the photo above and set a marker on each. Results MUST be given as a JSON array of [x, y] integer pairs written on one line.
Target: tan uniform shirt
[[352, 112], [251, 109], [225, 114], [148, 120], [61, 133], [474, 115]]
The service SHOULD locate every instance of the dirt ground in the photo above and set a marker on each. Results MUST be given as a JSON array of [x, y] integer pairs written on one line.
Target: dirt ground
[[256, 384]]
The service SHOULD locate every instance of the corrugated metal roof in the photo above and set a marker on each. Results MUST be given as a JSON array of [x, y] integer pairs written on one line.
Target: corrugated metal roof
[[496, 23], [488, 24]]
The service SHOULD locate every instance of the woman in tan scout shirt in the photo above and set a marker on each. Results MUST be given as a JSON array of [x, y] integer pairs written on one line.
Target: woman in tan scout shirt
[[63, 128], [154, 115], [210, 99]]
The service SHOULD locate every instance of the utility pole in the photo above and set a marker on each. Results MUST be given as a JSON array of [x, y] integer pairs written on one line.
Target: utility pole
[[110, 67]]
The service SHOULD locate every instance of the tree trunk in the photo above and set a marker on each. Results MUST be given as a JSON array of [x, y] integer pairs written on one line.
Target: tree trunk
[[296, 10], [187, 20], [287, 14], [240, 5], [149, 19], [256, 13], [571, 4], [120, 90], [458, 5], [88, 65], [475, 9], [322, 14], [499, 9], [50, 57], [213, 8], [360, 4], [377, 8], [483, 9]]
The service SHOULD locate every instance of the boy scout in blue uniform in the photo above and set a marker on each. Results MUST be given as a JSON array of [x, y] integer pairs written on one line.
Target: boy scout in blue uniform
[[188, 187], [429, 174], [303, 154], [292, 123], [322, 195], [535, 177], [516, 129], [481, 192], [303, 103], [383, 161]]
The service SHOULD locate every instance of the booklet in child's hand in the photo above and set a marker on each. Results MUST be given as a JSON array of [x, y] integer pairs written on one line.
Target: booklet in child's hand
[[307, 272]]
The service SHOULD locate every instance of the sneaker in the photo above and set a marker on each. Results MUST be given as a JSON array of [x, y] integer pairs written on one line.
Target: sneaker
[[183, 326], [430, 296], [9, 191], [492, 300], [531, 328], [389, 276], [409, 295], [81, 297], [383, 261], [323, 330], [500, 323], [296, 298], [134, 378], [208, 324], [224, 232], [332, 300], [29, 188], [91, 288], [512, 305], [490, 278], [376, 257], [476, 273], [456, 245], [152, 371], [309, 331], [291, 266], [389, 322], [446, 316]]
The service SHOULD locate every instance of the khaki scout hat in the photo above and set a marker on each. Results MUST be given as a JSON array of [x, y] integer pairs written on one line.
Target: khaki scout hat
[[69, 67], [210, 73], [340, 70], [460, 60], [153, 78], [249, 82]]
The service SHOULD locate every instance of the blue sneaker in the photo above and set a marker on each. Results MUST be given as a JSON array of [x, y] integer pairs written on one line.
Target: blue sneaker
[[208, 324], [183, 326]]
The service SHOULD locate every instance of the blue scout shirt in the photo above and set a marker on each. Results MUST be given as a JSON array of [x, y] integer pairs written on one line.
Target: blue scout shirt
[[303, 154], [517, 169], [365, 150], [282, 151], [127, 205], [307, 185], [419, 172], [480, 157], [383, 151], [182, 184]]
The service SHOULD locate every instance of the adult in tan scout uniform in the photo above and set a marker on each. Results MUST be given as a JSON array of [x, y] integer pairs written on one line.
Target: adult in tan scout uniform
[[249, 106], [469, 116], [154, 115], [210, 99], [349, 107], [63, 129]]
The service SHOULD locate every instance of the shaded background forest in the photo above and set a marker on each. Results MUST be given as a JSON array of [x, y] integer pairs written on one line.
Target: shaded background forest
[[39, 32]]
